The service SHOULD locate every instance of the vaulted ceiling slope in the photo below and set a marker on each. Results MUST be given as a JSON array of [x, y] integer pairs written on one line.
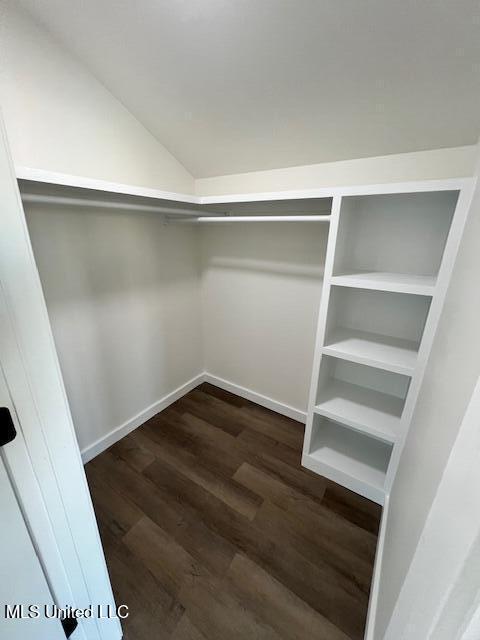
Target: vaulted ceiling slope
[[242, 85]]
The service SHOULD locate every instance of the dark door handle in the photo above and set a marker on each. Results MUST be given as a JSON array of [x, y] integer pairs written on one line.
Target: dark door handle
[[69, 625], [7, 428]]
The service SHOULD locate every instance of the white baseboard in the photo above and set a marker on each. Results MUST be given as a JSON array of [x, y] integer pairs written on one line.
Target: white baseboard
[[253, 396], [124, 429], [377, 570]]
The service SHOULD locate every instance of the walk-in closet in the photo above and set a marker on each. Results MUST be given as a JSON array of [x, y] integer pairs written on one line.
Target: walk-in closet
[[239, 354]]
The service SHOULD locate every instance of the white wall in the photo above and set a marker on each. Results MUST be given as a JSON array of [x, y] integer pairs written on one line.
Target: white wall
[[448, 607], [60, 118], [458, 162], [261, 286], [122, 290], [123, 296], [450, 377]]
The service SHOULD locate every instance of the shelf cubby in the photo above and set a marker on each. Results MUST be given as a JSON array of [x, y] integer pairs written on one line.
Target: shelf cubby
[[393, 242], [373, 349], [376, 328], [348, 457], [362, 397]]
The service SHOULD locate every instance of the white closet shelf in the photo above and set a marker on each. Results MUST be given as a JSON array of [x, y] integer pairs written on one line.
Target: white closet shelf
[[371, 412], [383, 352], [342, 455], [384, 281], [82, 201], [43, 187]]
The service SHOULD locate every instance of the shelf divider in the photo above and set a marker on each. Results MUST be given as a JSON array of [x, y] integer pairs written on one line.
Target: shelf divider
[[356, 461], [371, 412], [384, 281], [384, 352]]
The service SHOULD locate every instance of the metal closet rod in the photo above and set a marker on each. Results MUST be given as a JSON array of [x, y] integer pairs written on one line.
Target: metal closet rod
[[248, 218], [195, 215], [83, 202]]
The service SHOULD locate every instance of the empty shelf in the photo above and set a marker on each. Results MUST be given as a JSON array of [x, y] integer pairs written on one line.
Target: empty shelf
[[374, 413], [354, 460], [383, 281], [384, 352]]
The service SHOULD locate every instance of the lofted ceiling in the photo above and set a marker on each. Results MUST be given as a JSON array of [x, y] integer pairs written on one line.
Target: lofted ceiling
[[242, 85]]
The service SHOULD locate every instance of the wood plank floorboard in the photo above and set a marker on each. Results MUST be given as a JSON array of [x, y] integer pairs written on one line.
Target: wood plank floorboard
[[213, 530]]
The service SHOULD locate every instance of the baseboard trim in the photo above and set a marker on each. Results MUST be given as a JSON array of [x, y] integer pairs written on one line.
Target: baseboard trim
[[133, 423], [253, 396], [377, 570], [127, 427]]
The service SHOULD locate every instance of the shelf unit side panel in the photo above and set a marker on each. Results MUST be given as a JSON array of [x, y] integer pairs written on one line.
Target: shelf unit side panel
[[444, 275], [322, 319]]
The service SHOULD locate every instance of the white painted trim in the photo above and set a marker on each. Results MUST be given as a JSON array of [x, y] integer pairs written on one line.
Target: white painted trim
[[321, 324], [67, 180], [377, 572], [52, 177], [116, 434], [258, 398], [355, 190]]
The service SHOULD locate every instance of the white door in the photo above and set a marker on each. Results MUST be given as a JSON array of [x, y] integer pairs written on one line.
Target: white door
[[22, 581], [43, 462]]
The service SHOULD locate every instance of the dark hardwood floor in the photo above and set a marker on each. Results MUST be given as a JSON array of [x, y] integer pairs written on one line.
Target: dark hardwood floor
[[213, 531]]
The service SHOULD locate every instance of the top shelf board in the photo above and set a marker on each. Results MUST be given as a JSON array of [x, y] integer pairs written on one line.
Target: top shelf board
[[95, 194], [384, 281], [54, 178]]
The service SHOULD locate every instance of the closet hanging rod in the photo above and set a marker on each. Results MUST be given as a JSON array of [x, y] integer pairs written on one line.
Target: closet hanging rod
[[247, 218], [82, 202]]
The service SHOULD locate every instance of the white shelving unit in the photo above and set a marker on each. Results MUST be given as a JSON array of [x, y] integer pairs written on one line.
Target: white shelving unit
[[389, 260]]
